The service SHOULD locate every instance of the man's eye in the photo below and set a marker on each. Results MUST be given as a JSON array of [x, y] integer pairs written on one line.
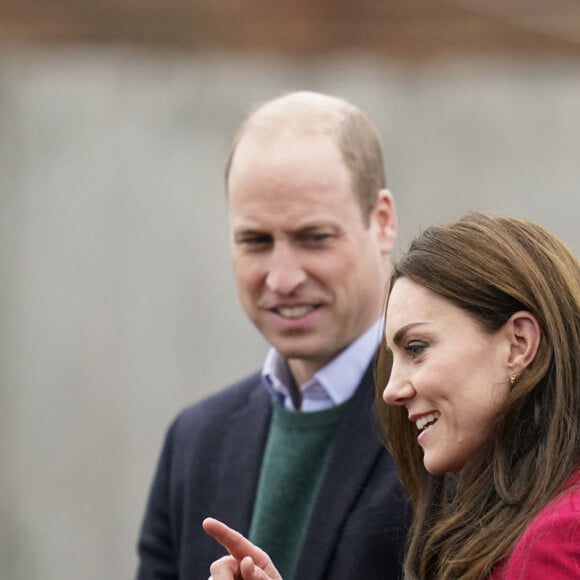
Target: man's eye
[[255, 241], [316, 238], [415, 348]]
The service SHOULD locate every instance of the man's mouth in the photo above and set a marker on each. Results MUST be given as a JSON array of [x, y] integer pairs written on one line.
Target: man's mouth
[[427, 420], [294, 311]]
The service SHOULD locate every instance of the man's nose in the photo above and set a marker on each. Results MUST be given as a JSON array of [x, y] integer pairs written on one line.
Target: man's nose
[[399, 388], [285, 271]]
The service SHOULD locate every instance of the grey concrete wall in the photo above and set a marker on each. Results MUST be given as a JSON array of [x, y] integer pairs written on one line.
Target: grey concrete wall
[[117, 305]]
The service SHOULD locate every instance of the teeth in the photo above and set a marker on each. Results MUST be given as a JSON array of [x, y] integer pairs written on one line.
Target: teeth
[[295, 311], [423, 421]]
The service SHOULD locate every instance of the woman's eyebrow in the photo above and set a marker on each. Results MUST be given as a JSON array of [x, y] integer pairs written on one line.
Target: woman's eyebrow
[[400, 334]]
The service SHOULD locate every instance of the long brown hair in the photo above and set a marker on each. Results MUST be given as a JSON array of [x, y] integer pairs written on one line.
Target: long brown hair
[[493, 266]]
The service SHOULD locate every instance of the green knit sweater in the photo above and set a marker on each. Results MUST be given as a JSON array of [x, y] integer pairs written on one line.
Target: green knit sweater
[[297, 450]]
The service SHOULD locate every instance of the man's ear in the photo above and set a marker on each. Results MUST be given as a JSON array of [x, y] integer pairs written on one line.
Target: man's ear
[[384, 218], [525, 334]]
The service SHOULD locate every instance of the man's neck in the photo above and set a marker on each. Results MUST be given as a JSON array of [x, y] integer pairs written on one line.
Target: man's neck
[[301, 370]]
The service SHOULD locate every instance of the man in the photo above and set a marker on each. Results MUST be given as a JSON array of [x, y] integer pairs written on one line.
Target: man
[[290, 456]]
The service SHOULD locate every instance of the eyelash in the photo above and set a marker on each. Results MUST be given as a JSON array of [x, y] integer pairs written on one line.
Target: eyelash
[[415, 348], [323, 237], [261, 242], [314, 239], [255, 243]]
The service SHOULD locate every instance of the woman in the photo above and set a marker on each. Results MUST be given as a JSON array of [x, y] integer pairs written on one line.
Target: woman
[[481, 362]]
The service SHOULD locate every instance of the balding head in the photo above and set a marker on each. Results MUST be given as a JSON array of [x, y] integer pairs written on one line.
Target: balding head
[[305, 114]]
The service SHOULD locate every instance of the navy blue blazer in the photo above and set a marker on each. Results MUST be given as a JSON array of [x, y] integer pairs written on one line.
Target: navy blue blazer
[[210, 465]]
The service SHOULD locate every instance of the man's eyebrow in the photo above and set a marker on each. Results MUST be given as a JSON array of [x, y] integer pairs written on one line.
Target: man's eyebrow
[[315, 227], [248, 231]]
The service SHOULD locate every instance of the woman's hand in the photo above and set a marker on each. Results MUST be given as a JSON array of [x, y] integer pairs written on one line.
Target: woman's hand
[[245, 562]]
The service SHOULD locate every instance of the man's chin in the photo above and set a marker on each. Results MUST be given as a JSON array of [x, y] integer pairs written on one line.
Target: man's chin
[[304, 351]]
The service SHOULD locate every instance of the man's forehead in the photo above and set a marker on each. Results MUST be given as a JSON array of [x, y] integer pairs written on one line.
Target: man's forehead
[[288, 158]]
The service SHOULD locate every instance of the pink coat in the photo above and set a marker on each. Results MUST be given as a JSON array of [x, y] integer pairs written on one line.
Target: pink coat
[[549, 548]]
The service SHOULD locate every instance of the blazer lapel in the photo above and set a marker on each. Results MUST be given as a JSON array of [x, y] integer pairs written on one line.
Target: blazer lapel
[[356, 450], [247, 431]]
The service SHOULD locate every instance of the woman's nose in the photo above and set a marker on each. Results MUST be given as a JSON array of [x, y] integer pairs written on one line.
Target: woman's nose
[[399, 388]]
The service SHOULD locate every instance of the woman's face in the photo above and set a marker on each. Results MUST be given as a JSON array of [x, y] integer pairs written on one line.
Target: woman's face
[[450, 374]]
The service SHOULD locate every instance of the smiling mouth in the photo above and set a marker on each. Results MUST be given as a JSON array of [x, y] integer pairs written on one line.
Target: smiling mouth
[[427, 420], [294, 311]]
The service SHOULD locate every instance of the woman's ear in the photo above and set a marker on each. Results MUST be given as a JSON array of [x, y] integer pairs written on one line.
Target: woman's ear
[[525, 334]]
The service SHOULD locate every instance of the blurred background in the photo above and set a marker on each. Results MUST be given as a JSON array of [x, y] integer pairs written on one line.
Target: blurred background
[[117, 304]]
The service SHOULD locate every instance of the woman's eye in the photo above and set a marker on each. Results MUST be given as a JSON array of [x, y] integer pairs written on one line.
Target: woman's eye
[[415, 348]]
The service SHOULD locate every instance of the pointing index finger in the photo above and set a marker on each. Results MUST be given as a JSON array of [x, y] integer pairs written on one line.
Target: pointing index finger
[[238, 546]]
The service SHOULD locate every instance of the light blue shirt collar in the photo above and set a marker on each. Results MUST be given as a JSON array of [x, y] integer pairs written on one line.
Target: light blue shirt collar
[[333, 384]]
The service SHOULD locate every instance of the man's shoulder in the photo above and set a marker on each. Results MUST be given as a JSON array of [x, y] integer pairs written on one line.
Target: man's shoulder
[[247, 391]]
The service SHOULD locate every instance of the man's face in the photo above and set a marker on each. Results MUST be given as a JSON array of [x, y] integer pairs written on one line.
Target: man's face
[[310, 273]]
